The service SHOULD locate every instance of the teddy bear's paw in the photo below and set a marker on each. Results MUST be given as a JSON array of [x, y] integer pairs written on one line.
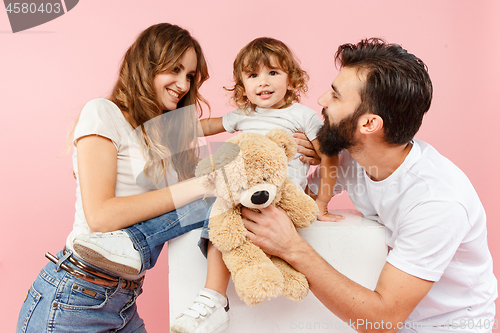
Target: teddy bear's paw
[[256, 283], [295, 285], [226, 240]]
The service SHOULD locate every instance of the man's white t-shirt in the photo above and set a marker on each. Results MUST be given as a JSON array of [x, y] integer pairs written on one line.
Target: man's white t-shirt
[[296, 118], [436, 230]]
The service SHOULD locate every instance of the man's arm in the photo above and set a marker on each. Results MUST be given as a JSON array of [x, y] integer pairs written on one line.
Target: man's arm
[[394, 298]]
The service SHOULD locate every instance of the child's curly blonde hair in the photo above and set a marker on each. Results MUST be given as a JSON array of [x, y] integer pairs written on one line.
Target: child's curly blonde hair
[[262, 51]]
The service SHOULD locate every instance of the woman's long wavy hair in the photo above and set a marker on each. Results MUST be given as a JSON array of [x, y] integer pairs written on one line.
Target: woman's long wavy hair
[[159, 49]]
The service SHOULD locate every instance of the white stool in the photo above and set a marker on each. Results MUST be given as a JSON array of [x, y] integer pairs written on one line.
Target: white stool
[[355, 247]]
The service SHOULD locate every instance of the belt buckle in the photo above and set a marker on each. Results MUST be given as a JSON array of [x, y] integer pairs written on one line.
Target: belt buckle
[[67, 268]]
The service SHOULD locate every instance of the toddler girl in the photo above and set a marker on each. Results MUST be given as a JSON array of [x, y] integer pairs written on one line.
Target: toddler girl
[[268, 84]]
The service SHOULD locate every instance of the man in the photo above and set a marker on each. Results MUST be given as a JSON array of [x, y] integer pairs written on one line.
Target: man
[[439, 271]]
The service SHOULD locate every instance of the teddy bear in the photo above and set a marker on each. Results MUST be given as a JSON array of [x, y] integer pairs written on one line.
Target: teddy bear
[[251, 170]]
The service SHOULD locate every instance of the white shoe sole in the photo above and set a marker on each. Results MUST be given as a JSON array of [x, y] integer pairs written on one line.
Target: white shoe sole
[[219, 329], [108, 261]]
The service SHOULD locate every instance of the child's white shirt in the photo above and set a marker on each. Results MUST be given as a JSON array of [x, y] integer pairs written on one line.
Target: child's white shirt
[[296, 118]]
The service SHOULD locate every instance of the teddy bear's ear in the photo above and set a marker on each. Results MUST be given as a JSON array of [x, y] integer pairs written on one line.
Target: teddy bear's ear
[[284, 140]]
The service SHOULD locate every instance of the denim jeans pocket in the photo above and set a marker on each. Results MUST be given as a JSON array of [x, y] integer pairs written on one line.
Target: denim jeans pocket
[[84, 309], [87, 309], [83, 297], [31, 301]]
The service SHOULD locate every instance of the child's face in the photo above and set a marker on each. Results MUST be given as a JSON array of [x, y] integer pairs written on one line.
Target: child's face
[[266, 87]]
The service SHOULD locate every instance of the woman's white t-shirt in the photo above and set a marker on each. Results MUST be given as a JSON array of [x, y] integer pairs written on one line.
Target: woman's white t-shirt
[[102, 117]]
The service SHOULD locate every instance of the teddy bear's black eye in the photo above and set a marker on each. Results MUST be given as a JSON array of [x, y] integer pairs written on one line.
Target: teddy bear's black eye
[[265, 179]]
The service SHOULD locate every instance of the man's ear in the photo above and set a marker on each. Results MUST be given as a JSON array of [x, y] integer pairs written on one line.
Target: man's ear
[[370, 123]]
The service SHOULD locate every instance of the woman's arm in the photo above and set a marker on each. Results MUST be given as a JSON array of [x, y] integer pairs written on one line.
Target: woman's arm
[[97, 169]]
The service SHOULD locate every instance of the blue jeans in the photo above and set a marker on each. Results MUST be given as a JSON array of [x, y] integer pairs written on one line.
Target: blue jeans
[[150, 236], [60, 302]]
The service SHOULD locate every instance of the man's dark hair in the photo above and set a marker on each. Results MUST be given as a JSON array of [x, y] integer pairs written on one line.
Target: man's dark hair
[[398, 87]]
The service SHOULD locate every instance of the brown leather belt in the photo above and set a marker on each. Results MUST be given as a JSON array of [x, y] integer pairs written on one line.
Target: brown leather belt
[[96, 276]]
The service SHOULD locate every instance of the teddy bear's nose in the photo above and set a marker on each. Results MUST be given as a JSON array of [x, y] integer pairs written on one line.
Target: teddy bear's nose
[[260, 197]]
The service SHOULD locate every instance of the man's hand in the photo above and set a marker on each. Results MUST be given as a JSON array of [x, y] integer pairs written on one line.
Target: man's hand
[[394, 298], [305, 147], [271, 230]]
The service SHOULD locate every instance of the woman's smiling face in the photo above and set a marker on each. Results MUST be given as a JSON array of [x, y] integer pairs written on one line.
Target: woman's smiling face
[[171, 86]]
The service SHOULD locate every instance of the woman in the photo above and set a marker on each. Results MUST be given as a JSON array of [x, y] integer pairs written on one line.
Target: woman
[[162, 71]]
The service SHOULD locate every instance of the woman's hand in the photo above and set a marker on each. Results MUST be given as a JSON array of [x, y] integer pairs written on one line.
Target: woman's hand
[[305, 147], [205, 187]]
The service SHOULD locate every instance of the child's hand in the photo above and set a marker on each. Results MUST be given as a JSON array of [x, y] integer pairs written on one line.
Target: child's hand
[[324, 215]]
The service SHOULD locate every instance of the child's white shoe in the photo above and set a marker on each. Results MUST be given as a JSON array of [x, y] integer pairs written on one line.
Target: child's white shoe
[[207, 314], [112, 251]]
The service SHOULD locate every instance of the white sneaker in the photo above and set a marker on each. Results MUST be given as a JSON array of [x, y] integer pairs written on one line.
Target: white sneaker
[[113, 251], [208, 314]]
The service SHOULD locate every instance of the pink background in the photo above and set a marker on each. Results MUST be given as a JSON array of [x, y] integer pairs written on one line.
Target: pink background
[[49, 72]]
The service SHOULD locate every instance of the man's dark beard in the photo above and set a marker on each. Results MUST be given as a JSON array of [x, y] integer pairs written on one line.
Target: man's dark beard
[[334, 138]]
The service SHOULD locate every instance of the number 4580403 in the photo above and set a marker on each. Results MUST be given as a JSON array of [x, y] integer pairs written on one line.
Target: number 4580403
[[32, 8]]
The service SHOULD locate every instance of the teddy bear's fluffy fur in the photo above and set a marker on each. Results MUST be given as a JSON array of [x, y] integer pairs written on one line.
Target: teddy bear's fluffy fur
[[250, 169]]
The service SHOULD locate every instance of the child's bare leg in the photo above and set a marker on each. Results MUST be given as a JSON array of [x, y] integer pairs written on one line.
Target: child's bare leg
[[217, 273]]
